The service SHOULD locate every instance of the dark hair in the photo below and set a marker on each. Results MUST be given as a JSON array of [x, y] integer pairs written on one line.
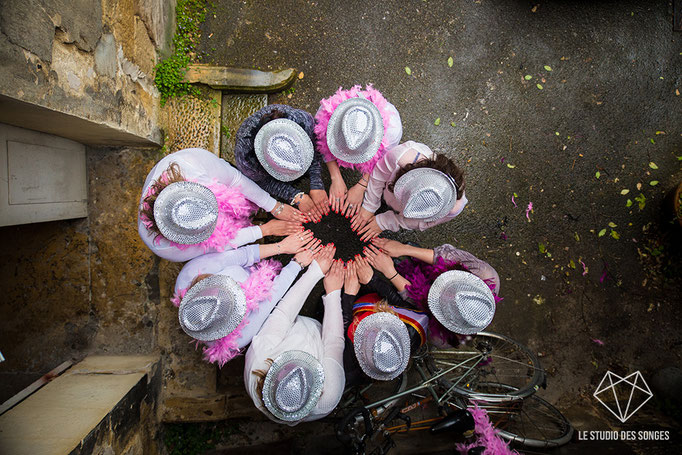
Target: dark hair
[[272, 115], [170, 175], [439, 162]]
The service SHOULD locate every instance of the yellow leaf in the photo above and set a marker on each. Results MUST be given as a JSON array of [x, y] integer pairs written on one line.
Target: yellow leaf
[[300, 75]]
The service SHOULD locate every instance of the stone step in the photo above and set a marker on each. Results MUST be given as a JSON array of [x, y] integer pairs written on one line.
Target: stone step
[[105, 404], [242, 80]]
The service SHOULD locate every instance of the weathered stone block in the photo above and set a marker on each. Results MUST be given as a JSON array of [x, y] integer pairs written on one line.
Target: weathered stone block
[[27, 24]]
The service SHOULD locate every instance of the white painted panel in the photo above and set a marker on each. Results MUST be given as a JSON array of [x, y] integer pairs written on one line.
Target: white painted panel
[[42, 177], [39, 174]]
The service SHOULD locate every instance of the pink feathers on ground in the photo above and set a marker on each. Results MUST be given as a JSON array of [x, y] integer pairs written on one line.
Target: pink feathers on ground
[[486, 436], [528, 210], [327, 107]]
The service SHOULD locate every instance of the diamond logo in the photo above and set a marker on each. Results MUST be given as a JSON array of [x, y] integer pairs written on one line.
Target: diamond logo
[[623, 396]]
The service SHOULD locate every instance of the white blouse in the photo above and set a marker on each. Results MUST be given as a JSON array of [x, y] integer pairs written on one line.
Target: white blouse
[[285, 330], [384, 173], [203, 166], [234, 263]]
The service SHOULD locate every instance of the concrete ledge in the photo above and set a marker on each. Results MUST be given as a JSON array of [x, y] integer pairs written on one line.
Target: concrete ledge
[[39, 118], [241, 80], [101, 402]]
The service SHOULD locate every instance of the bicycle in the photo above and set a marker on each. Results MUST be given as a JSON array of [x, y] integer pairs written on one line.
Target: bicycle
[[490, 370]]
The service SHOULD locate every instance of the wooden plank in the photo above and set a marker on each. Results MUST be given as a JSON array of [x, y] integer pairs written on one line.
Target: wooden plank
[[241, 80]]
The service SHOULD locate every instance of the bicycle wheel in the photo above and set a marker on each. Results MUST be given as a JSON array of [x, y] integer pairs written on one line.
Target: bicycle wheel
[[488, 358], [532, 422]]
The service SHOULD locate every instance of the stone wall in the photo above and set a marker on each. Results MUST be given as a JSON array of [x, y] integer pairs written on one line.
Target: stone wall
[[79, 286], [87, 60]]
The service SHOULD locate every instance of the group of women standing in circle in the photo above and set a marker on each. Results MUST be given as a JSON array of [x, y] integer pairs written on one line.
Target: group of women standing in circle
[[232, 297]]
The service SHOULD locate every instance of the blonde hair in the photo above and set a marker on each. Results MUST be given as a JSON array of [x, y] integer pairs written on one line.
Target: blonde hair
[[261, 377], [170, 175], [381, 306]]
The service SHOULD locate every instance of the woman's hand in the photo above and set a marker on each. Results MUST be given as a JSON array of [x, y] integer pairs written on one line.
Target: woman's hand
[[305, 257], [280, 228], [321, 201], [295, 243], [363, 268], [309, 209], [370, 230], [325, 256], [333, 280], [288, 213], [391, 247], [361, 218], [354, 199], [351, 284], [380, 261], [337, 194]]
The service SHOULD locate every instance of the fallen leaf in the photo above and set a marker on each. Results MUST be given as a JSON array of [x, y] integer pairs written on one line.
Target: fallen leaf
[[624, 192], [408, 70], [450, 62], [538, 300], [628, 203], [576, 237], [660, 132], [652, 141], [300, 75], [557, 133], [612, 224], [542, 248], [639, 186], [653, 182], [539, 86], [548, 68], [597, 174], [437, 122], [679, 158], [677, 92], [595, 364], [534, 9], [571, 264], [511, 166], [452, 124], [601, 233], [653, 165], [614, 234], [528, 77]]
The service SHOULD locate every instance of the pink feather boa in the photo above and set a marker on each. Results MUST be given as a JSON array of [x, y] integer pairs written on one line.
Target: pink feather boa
[[486, 436], [234, 213], [421, 275], [257, 288], [327, 107]]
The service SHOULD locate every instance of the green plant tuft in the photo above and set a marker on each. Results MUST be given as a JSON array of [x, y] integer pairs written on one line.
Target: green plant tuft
[[169, 74]]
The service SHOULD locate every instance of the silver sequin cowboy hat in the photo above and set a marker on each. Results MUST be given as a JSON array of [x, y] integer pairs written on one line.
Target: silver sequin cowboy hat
[[212, 308], [425, 193], [284, 149], [293, 385], [186, 212], [382, 346], [355, 131], [462, 302]]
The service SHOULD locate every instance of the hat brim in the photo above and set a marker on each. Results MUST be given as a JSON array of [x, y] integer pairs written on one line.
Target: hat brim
[[301, 358], [238, 307], [334, 126], [410, 179], [307, 148], [381, 320], [436, 304], [166, 226]]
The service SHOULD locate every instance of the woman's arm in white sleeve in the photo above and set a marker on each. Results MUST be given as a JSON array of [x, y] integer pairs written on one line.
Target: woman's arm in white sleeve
[[394, 132], [228, 175], [333, 344], [247, 235], [257, 317], [282, 317], [378, 179]]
